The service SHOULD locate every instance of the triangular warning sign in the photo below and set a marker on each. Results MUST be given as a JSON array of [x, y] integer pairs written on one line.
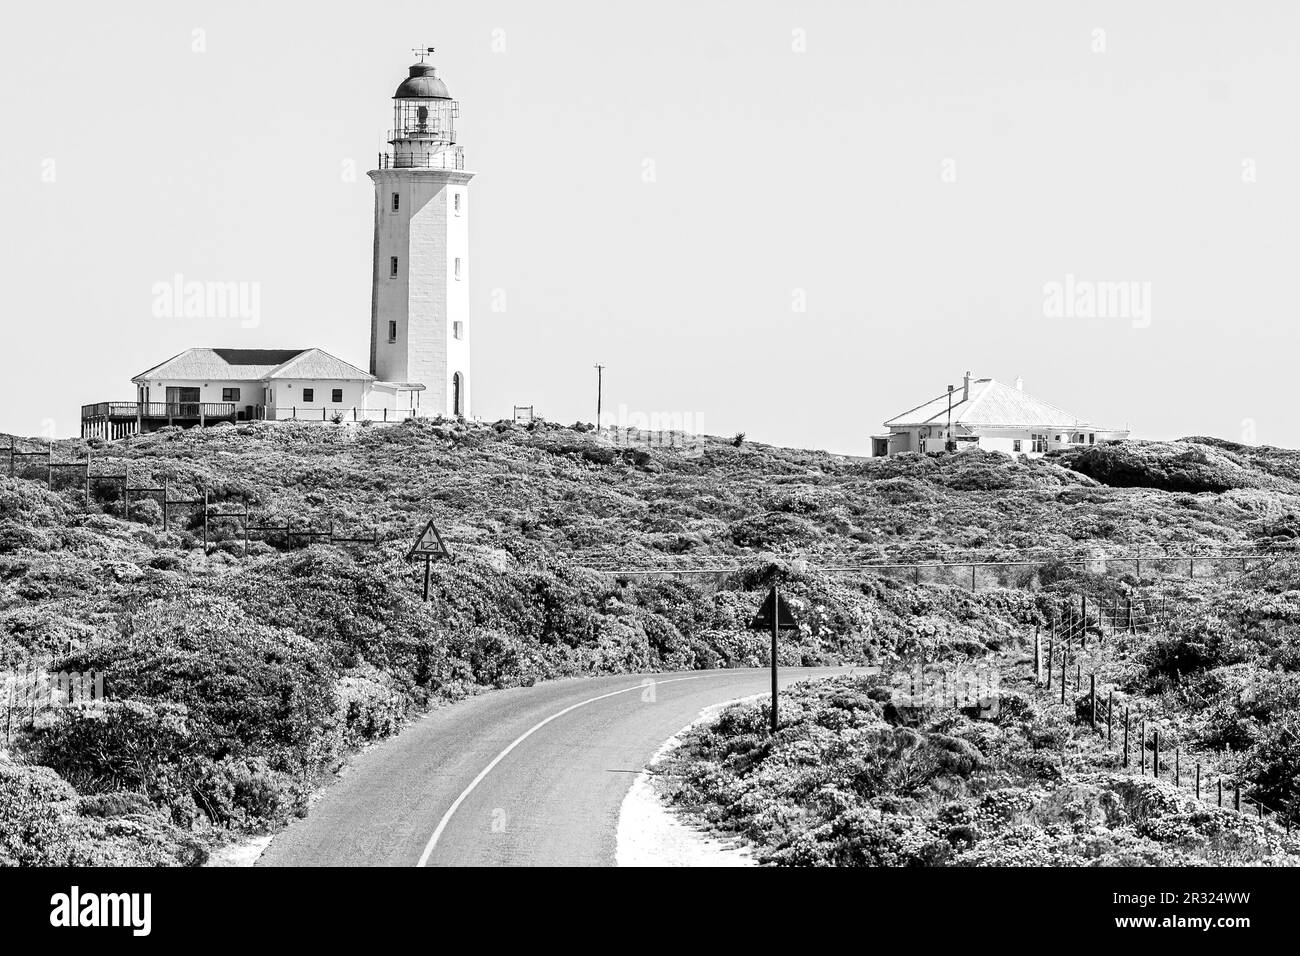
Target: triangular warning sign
[[429, 544], [774, 603]]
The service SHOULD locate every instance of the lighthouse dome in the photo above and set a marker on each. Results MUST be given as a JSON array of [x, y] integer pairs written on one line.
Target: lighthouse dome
[[422, 84]]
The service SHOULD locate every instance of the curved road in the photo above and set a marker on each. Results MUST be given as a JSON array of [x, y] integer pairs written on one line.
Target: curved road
[[519, 777]]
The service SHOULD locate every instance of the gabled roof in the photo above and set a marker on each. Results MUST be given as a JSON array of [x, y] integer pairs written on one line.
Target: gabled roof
[[223, 364], [318, 364], [253, 365], [990, 404]]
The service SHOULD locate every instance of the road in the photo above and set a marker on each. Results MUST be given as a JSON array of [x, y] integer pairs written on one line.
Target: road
[[521, 777]]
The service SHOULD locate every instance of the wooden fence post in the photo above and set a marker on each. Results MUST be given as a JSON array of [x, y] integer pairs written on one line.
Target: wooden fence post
[[1155, 754], [166, 495], [1092, 703], [1236, 799], [1063, 679], [1038, 657], [205, 521], [1126, 758], [1198, 780], [1178, 770], [1220, 782], [49, 465], [1142, 747], [1110, 718], [1051, 655]]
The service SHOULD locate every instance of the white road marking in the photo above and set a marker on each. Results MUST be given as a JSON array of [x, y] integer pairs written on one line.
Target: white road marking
[[446, 817]]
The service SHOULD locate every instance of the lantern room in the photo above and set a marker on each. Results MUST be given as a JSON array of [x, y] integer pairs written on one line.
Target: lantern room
[[424, 121]]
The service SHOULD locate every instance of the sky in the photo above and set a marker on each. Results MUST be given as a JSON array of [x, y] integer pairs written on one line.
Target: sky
[[793, 220]]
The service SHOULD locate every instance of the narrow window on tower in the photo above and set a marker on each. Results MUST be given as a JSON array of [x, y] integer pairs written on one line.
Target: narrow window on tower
[[392, 331], [458, 330], [392, 267], [458, 267], [397, 201], [455, 201]]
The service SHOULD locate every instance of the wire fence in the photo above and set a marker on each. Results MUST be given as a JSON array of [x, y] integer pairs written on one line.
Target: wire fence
[[1142, 734]]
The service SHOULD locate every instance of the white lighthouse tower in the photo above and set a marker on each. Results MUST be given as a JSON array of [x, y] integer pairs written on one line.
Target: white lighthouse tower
[[420, 328]]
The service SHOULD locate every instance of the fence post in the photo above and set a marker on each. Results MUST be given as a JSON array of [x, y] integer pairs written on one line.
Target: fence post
[[1092, 703], [126, 492], [1051, 655], [972, 576], [1038, 657], [1142, 747], [88, 453], [1155, 754], [1126, 759], [205, 521], [1198, 780], [1062, 679], [1178, 770], [1110, 718], [49, 465], [166, 495], [1236, 799], [1220, 782]]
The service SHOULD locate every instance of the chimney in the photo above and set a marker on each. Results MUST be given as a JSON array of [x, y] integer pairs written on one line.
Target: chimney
[[965, 387], [1020, 384]]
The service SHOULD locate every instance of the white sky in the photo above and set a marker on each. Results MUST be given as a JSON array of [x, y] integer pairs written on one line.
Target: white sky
[[776, 170]]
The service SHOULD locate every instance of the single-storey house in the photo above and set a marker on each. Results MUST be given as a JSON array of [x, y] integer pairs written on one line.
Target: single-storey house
[[985, 413], [203, 386]]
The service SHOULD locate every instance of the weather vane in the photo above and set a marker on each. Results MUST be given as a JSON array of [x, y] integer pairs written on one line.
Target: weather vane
[[427, 51]]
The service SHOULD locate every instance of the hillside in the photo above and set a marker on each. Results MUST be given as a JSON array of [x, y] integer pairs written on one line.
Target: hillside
[[236, 681]]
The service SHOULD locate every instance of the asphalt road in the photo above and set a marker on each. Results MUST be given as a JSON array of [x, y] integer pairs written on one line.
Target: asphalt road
[[520, 777]]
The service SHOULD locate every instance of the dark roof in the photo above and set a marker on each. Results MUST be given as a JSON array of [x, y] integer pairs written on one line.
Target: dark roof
[[422, 84], [257, 356]]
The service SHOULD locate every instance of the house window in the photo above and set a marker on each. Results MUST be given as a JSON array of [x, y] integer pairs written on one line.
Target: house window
[[1015, 444], [1039, 443], [308, 395], [336, 396], [458, 267], [397, 201], [457, 330], [230, 394], [392, 331], [1092, 438], [392, 267], [455, 201]]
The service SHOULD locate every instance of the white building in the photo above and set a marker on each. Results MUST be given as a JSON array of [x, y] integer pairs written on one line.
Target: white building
[[419, 321], [985, 413]]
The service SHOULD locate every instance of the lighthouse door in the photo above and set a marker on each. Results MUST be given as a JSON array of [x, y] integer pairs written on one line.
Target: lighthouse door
[[455, 395]]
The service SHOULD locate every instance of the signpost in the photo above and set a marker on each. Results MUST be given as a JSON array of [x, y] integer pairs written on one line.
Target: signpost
[[774, 616], [430, 546]]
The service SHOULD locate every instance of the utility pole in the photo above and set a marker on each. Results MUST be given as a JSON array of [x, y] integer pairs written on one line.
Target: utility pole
[[948, 443], [600, 369]]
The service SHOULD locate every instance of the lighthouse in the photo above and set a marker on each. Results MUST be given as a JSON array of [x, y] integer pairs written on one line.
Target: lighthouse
[[420, 329]]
